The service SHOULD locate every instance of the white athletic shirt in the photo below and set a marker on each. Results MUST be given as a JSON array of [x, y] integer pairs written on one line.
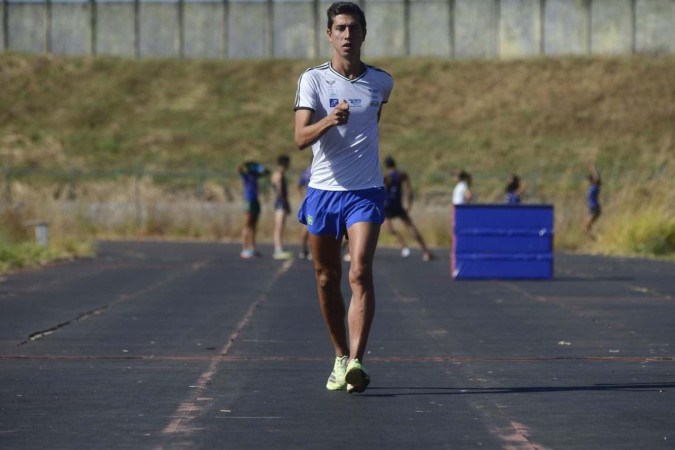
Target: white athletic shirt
[[459, 193], [346, 157]]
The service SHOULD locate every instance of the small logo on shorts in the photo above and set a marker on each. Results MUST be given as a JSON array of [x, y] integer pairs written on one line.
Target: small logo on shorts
[[310, 220]]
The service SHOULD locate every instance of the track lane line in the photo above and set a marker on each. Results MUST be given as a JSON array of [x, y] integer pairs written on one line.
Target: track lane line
[[190, 408]]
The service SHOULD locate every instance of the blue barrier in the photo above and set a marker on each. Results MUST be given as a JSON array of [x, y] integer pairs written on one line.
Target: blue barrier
[[502, 241]]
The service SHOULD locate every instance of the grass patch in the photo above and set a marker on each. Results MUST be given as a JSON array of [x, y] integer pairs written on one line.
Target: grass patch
[[652, 233], [22, 254], [126, 148]]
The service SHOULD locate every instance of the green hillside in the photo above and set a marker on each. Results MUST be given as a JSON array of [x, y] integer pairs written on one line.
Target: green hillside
[[94, 124]]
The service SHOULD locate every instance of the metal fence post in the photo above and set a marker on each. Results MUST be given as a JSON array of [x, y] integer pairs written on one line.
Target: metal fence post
[[542, 27], [316, 50], [225, 42], [451, 27], [48, 27], [5, 25], [93, 11], [633, 23], [181, 28], [269, 31], [137, 28]]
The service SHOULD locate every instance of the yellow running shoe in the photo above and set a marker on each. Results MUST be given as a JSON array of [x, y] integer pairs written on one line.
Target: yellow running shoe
[[336, 381], [356, 377], [282, 254]]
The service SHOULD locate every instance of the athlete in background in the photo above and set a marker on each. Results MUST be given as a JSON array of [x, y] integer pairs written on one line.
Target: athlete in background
[[249, 172], [303, 181], [593, 197], [397, 204], [282, 206]]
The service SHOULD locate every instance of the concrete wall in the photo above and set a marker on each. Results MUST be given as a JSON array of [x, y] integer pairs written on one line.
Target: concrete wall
[[26, 27], [566, 27], [296, 28], [612, 29], [3, 26], [247, 30], [204, 30], [476, 27], [430, 23], [71, 28], [520, 28], [654, 29], [159, 29], [115, 29], [293, 30]]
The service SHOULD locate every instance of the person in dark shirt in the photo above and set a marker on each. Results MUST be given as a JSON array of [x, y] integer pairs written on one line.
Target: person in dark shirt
[[513, 190], [282, 206], [398, 200]]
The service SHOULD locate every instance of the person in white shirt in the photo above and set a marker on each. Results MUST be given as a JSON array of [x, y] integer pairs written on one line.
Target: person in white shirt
[[461, 194], [337, 110]]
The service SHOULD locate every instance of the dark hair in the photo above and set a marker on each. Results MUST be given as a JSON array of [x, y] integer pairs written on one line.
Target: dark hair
[[514, 184], [464, 176], [349, 8], [389, 162], [283, 160]]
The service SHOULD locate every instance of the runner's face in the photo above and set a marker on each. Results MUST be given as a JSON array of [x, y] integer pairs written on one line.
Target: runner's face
[[346, 35]]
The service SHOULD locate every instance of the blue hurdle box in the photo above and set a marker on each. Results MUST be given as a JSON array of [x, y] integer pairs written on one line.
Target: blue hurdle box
[[502, 242]]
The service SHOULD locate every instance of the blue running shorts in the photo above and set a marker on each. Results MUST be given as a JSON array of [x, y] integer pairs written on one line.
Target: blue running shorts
[[332, 212]]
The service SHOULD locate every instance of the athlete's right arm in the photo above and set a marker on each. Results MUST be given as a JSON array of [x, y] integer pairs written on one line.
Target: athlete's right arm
[[308, 132]]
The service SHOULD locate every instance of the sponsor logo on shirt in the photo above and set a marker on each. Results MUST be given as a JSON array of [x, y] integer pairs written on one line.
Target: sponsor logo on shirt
[[333, 94], [354, 102]]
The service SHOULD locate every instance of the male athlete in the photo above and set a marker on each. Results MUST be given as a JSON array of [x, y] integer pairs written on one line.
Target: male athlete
[[337, 110]]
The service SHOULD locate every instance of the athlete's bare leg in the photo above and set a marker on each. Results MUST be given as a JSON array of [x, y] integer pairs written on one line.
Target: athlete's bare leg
[[326, 252], [248, 233], [389, 225], [417, 235], [279, 226], [304, 239], [363, 238]]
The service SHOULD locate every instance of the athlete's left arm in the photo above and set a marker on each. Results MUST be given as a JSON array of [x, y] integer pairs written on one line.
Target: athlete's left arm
[[379, 112], [276, 182]]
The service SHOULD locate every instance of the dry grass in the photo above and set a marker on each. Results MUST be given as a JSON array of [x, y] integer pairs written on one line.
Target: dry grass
[[545, 119]]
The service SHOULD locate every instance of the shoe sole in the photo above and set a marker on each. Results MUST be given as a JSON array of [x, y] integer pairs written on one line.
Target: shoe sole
[[357, 380], [336, 387]]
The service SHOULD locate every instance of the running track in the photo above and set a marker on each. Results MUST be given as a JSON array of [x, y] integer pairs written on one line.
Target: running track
[[183, 345]]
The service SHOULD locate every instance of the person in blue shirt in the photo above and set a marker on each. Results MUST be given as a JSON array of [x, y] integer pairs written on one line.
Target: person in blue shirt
[[398, 200], [592, 197], [249, 172]]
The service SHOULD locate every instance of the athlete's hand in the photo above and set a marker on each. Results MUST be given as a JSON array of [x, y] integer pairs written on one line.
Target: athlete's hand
[[340, 114]]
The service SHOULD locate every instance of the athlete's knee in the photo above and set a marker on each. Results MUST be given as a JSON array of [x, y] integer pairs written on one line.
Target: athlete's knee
[[360, 275], [327, 277]]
